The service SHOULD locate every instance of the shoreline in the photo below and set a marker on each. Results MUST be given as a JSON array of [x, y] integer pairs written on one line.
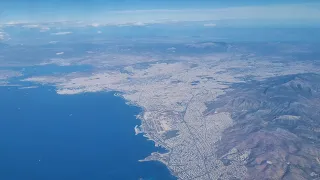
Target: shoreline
[[149, 148], [149, 158]]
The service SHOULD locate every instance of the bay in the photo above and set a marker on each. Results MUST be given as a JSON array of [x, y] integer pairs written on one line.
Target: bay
[[44, 135]]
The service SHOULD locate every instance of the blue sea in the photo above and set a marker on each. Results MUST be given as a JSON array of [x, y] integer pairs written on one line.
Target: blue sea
[[46, 136]]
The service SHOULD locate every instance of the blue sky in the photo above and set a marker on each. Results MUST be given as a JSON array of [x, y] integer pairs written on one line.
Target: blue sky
[[157, 11]]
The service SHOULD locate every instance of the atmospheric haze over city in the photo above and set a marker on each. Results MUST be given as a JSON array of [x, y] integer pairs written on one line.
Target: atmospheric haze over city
[[159, 89]]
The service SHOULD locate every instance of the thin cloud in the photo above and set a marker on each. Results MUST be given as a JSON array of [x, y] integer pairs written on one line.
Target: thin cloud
[[276, 12], [138, 24], [172, 49], [53, 42], [267, 13], [14, 23], [95, 25], [210, 25], [44, 29], [31, 26], [61, 33], [133, 24], [3, 35]]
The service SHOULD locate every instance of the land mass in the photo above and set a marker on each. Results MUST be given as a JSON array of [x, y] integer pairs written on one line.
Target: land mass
[[207, 111]]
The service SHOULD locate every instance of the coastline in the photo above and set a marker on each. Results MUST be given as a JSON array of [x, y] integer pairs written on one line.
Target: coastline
[[140, 130], [164, 170]]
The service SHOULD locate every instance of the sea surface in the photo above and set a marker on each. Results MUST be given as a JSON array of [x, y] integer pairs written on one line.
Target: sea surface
[[46, 136]]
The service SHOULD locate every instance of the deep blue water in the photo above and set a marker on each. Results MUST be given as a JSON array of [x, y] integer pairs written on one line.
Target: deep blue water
[[40, 139]]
